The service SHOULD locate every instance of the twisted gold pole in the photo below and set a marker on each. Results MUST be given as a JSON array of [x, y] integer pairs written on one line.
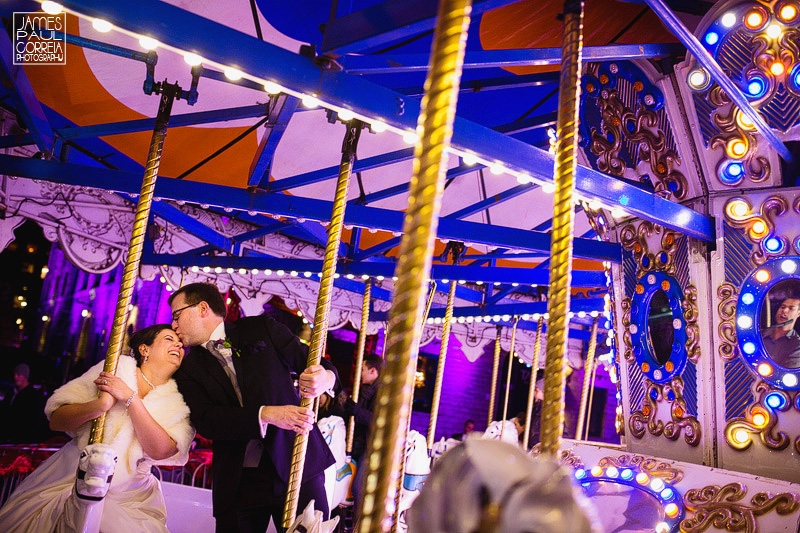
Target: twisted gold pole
[[419, 229], [437, 387], [508, 376], [532, 389], [131, 269], [412, 368], [362, 343], [320, 332], [587, 376], [495, 373], [561, 237]]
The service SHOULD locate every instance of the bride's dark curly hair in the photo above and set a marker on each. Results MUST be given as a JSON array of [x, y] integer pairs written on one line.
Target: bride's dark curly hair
[[145, 336]]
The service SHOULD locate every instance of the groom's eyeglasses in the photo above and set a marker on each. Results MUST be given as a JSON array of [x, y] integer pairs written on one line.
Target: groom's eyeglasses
[[177, 313]]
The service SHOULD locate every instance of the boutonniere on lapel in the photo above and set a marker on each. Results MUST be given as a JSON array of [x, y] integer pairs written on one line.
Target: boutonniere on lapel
[[226, 343]]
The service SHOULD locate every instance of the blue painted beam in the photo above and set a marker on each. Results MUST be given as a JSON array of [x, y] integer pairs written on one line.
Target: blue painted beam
[[395, 63], [492, 201], [528, 124], [330, 173], [301, 75], [403, 187], [127, 53], [294, 206], [147, 124], [576, 305], [267, 229], [279, 117], [23, 98], [527, 276], [731, 89], [493, 84], [388, 21], [385, 246], [22, 139]]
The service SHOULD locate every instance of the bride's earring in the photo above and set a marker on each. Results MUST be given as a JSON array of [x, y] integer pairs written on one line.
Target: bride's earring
[[144, 357]]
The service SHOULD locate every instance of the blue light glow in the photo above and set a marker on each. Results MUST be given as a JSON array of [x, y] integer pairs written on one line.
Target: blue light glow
[[626, 474], [580, 473], [667, 493], [623, 200], [773, 245], [749, 348], [748, 298], [775, 400], [756, 87], [712, 38]]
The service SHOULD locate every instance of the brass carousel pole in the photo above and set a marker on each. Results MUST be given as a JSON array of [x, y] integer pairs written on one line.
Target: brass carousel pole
[[437, 387], [412, 367], [508, 376], [320, 332], [587, 377], [131, 269], [495, 373], [561, 239], [413, 267], [532, 389], [362, 343]]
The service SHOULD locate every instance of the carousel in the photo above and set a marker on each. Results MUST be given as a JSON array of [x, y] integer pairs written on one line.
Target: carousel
[[607, 188]]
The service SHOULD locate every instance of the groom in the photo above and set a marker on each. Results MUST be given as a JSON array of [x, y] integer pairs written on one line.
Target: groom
[[239, 382]]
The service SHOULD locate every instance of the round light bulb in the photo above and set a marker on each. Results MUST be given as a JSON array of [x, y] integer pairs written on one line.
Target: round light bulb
[[764, 369], [103, 26], [698, 79], [378, 126], [787, 12], [728, 20], [737, 148], [739, 209], [759, 227], [753, 20], [52, 8], [148, 43], [345, 115], [271, 88], [192, 59], [759, 420], [762, 276], [790, 380], [549, 188], [497, 169], [233, 74], [773, 31], [469, 159], [410, 137], [309, 101], [789, 266], [744, 322], [740, 436]]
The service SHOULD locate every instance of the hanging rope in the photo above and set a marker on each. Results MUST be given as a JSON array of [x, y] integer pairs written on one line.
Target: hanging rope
[[495, 373], [561, 236], [320, 332], [587, 377], [414, 260], [131, 269], [508, 376], [412, 368], [532, 389], [437, 387], [362, 343]]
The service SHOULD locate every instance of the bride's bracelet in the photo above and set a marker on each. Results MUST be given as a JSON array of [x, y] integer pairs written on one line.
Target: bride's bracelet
[[129, 400]]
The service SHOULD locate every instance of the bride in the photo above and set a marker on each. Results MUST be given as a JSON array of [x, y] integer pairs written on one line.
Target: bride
[[147, 423]]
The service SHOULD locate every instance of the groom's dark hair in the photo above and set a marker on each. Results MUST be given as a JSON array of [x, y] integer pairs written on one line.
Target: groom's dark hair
[[194, 293]]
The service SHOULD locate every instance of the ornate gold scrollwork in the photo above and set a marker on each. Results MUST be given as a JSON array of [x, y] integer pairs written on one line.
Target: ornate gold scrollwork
[[651, 465], [719, 507], [626, 332], [565, 457], [760, 419], [681, 419], [690, 312], [770, 209], [645, 418], [634, 238], [727, 294]]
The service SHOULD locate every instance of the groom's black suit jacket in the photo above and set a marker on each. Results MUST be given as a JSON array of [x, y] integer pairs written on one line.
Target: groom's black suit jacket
[[267, 359]]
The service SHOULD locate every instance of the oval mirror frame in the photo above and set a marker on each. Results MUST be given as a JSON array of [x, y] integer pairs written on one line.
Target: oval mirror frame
[[749, 305], [642, 346]]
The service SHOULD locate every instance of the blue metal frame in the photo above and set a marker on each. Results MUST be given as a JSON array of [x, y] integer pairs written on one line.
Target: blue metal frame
[[642, 344], [386, 22], [731, 89], [187, 31], [748, 328], [394, 63], [493, 84], [294, 206], [282, 111]]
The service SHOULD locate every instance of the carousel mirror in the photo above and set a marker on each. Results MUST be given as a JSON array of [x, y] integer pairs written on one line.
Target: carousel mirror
[[659, 323], [778, 320], [626, 508]]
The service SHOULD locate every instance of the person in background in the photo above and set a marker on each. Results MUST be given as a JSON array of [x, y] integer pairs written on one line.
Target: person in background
[[23, 411], [781, 341], [362, 412], [469, 427]]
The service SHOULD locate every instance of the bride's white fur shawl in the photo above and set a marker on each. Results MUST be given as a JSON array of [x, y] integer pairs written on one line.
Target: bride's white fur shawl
[[164, 403]]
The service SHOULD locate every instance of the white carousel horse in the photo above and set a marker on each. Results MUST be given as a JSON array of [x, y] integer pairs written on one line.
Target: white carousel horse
[[84, 508], [418, 466], [487, 485], [439, 448], [510, 433], [311, 521], [338, 476]]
